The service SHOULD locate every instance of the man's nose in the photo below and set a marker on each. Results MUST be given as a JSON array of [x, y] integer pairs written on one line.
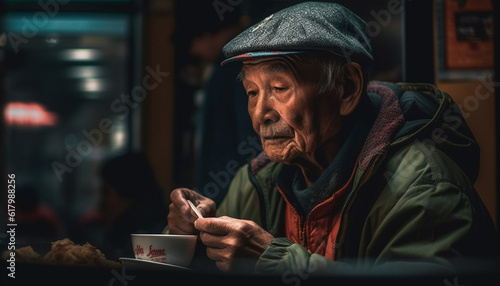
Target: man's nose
[[265, 112]]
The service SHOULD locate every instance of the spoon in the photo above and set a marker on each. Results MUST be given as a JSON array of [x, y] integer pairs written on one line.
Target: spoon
[[196, 211]]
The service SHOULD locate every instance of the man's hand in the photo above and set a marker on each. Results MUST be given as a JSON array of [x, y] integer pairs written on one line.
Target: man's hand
[[181, 217], [231, 241]]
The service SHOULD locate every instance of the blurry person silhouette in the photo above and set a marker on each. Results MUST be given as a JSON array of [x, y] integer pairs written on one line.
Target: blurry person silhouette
[[132, 202], [38, 221], [221, 121]]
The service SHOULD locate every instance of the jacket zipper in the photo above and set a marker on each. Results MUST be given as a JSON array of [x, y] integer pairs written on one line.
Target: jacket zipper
[[302, 233], [341, 226], [348, 202]]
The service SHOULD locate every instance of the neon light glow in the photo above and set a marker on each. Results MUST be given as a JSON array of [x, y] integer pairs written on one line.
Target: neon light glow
[[29, 114]]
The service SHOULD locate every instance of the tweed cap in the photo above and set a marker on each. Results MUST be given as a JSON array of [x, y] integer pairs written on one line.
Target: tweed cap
[[308, 26]]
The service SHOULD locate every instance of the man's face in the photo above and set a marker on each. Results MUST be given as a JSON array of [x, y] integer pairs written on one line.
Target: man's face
[[292, 119]]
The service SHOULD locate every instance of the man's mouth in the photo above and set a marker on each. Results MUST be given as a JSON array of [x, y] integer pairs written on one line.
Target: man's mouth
[[275, 137], [275, 134]]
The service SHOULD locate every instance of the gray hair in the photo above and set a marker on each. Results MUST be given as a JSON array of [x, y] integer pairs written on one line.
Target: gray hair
[[331, 69]]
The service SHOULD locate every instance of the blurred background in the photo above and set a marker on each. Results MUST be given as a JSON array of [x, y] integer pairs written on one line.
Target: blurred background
[[109, 105]]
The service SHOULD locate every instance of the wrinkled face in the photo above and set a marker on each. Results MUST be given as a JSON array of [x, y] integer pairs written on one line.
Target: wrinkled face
[[292, 119]]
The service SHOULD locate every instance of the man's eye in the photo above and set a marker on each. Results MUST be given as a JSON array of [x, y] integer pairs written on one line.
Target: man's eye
[[251, 93], [279, 88]]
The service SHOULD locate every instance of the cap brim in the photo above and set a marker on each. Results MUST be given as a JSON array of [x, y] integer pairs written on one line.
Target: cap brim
[[252, 55]]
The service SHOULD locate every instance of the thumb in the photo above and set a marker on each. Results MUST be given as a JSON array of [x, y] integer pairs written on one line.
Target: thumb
[[206, 224], [197, 223], [213, 225]]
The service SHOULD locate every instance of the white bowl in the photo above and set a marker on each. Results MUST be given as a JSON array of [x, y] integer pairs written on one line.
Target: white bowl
[[175, 249]]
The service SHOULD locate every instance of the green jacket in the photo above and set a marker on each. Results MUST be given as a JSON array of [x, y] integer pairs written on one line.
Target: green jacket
[[412, 199]]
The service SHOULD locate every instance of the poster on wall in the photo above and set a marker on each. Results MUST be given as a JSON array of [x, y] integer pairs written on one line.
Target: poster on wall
[[465, 38]]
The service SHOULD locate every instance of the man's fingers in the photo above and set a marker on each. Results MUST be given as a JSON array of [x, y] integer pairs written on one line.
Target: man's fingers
[[212, 225], [180, 194], [213, 241], [214, 232]]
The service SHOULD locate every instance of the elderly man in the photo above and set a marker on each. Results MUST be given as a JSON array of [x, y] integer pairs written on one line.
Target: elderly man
[[354, 175]]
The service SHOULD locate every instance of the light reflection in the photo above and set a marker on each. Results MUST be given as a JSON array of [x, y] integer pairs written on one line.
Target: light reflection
[[52, 39], [81, 54], [92, 85], [85, 72], [118, 138], [29, 114]]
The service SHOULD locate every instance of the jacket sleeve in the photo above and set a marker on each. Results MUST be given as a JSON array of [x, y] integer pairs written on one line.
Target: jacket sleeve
[[428, 211], [291, 260], [422, 221], [411, 238]]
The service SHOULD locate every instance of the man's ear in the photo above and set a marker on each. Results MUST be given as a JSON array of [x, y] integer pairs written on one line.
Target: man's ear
[[353, 83]]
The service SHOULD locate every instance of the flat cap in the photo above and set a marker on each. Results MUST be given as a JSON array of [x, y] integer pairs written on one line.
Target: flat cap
[[308, 26]]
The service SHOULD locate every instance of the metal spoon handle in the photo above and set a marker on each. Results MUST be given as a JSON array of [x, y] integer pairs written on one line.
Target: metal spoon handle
[[196, 211]]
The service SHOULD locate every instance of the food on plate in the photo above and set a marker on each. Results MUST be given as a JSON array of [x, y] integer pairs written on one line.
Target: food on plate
[[24, 254], [65, 252]]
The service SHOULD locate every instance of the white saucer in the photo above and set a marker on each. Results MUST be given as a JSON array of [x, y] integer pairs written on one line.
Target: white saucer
[[140, 264]]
